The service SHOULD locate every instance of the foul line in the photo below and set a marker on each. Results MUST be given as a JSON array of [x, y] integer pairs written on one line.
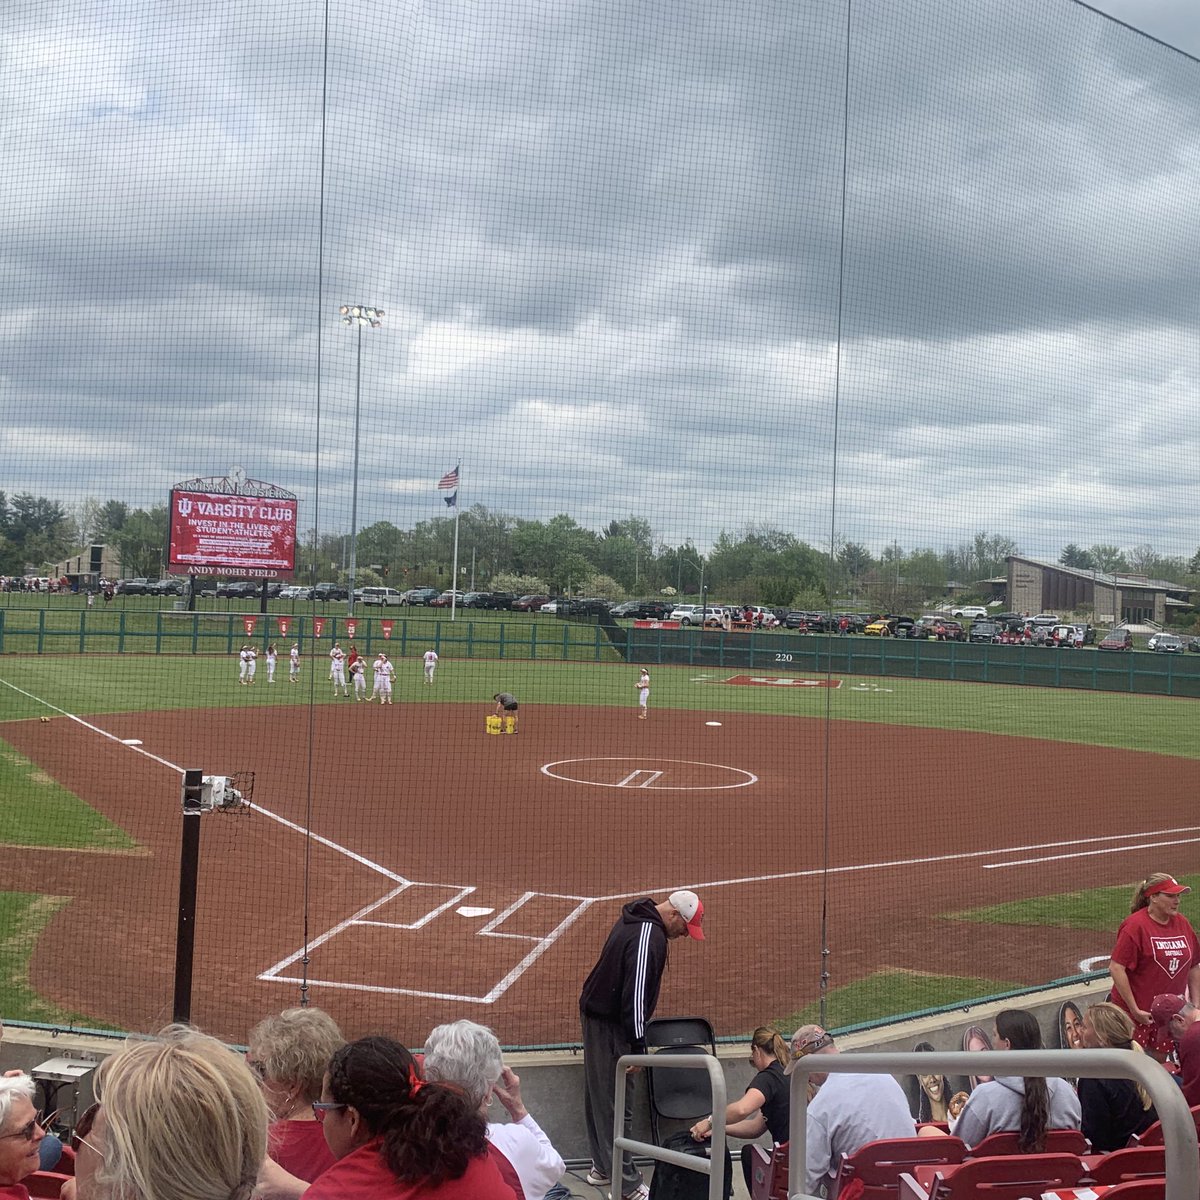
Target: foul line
[[930, 858], [1021, 862]]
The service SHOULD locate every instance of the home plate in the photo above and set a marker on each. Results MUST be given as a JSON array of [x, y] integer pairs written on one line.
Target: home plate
[[131, 741], [712, 722], [468, 910]]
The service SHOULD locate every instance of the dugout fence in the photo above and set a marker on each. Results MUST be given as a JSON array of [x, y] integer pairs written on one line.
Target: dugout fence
[[834, 305]]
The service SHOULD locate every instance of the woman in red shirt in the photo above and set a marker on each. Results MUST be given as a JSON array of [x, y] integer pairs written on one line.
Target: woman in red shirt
[[397, 1137], [1156, 952]]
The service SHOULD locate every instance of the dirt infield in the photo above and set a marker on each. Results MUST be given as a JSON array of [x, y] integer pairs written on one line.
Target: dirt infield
[[462, 874]]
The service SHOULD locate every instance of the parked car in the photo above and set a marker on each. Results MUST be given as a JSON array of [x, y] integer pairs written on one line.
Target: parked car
[[944, 629], [380, 597], [984, 631], [883, 627], [584, 606], [1118, 639], [1012, 634], [296, 591], [134, 587], [642, 610], [497, 600], [1194, 645], [330, 591], [551, 606], [1045, 619], [1166, 643], [473, 600], [530, 603], [420, 595], [969, 611], [802, 620], [443, 599]]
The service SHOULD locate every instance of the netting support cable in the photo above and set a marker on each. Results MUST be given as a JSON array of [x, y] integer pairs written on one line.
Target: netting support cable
[[827, 771]]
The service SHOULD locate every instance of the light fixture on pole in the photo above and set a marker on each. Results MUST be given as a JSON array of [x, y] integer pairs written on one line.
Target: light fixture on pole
[[360, 316]]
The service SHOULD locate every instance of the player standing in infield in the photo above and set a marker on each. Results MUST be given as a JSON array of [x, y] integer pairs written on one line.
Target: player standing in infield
[[643, 687], [431, 661], [337, 669]]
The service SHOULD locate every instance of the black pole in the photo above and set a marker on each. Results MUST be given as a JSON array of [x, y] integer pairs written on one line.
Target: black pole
[[262, 597], [189, 870]]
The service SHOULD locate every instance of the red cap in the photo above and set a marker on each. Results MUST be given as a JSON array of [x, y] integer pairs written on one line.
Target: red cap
[[1166, 1006]]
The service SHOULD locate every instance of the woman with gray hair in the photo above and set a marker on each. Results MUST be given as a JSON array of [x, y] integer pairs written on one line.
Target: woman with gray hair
[[289, 1053], [20, 1135], [468, 1055], [176, 1118]]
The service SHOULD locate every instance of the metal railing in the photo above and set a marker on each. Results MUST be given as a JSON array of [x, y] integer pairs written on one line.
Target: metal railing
[[713, 1167], [1178, 1127]]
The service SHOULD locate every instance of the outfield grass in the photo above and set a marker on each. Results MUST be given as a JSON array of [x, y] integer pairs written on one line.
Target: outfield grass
[[49, 815], [886, 994], [89, 684], [23, 916], [1097, 908]]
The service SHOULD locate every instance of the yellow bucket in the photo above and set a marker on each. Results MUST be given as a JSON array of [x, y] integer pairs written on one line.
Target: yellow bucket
[[492, 724], [510, 724]]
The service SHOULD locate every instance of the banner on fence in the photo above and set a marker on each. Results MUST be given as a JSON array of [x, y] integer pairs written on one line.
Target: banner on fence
[[351, 626], [386, 626], [318, 626], [284, 623], [250, 623]]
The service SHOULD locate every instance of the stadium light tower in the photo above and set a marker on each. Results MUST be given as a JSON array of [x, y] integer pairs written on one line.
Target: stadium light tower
[[360, 316]]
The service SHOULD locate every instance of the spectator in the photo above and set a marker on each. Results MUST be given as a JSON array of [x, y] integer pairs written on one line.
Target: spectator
[[932, 1093], [618, 998], [1012, 1103], [1180, 1021], [50, 1147], [20, 1135], [468, 1055], [1156, 952], [765, 1105], [289, 1054], [394, 1136], [177, 1118], [1113, 1110], [847, 1112]]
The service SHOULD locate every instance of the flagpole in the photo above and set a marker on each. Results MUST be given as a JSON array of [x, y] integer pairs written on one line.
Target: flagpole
[[454, 568]]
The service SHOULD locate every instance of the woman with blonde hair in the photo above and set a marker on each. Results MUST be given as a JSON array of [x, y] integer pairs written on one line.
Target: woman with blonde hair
[[765, 1106], [1156, 952], [176, 1118], [289, 1053], [1113, 1109]]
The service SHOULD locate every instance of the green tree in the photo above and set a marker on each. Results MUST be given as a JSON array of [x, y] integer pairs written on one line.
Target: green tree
[[142, 540], [1108, 559], [1075, 556]]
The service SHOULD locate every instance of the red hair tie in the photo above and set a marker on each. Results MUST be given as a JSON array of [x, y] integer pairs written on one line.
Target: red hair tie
[[415, 1082]]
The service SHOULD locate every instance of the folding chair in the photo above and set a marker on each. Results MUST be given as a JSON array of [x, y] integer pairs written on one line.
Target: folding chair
[[676, 1093], [1006, 1177], [1058, 1141], [1136, 1162], [769, 1174], [880, 1164]]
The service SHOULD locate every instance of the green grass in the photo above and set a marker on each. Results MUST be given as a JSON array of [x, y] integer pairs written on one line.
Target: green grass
[[1097, 908], [23, 916], [50, 815], [885, 994]]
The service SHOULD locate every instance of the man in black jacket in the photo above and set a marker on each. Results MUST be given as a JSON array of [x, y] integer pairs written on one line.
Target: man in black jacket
[[618, 999]]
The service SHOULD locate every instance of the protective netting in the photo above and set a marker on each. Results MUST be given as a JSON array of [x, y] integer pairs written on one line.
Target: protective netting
[[826, 308]]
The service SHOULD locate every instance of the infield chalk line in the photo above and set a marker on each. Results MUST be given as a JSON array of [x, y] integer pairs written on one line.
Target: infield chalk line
[[911, 862], [582, 904], [1021, 862]]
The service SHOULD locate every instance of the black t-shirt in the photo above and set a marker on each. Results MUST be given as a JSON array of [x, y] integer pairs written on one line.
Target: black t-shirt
[[776, 1106], [1112, 1112]]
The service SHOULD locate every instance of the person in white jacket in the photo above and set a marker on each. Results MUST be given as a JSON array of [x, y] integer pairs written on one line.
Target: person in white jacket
[[468, 1055]]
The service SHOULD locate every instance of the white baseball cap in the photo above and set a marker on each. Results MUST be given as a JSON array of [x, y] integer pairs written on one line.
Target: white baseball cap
[[688, 906]]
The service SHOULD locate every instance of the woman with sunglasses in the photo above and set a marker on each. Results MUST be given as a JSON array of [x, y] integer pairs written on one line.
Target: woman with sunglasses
[[20, 1135], [177, 1118], [289, 1053], [395, 1136]]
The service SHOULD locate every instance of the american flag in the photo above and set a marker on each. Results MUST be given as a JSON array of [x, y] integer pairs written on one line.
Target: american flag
[[449, 480]]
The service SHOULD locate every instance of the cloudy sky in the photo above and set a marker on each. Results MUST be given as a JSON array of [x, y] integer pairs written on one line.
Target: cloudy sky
[[626, 266]]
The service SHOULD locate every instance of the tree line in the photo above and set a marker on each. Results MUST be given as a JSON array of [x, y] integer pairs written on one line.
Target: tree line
[[758, 564]]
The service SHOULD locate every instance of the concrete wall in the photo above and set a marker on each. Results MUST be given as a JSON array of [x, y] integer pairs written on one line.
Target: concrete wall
[[552, 1083]]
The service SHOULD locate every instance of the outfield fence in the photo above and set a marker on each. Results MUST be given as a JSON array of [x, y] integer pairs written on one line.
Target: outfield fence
[[47, 631]]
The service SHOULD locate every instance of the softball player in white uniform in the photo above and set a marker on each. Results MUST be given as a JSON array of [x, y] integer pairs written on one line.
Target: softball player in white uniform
[[431, 661]]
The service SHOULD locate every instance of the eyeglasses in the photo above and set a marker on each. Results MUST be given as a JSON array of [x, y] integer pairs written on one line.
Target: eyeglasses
[[812, 1047], [26, 1131], [322, 1107], [83, 1127]]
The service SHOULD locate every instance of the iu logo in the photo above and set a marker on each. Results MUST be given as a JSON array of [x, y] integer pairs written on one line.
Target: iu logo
[[185, 507]]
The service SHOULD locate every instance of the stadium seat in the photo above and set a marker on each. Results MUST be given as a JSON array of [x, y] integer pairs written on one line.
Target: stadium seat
[[1153, 1136], [45, 1183], [878, 1165], [1138, 1189], [1005, 1177], [769, 1172], [1058, 1141], [676, 1093], [1137, 1162]]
